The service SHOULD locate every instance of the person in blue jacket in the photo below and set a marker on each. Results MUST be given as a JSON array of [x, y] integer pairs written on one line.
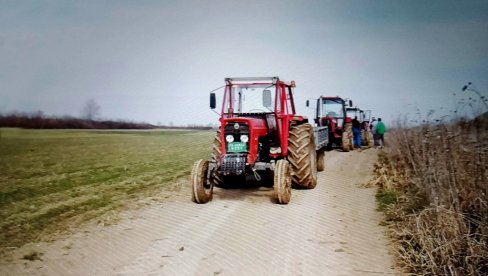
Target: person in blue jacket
[[356, 131]]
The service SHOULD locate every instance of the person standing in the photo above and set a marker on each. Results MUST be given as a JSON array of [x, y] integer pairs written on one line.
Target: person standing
[[372, 128], [356, 130], [380, 131]]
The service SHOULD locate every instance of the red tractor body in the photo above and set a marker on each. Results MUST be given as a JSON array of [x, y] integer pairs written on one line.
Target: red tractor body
[[260, 137]]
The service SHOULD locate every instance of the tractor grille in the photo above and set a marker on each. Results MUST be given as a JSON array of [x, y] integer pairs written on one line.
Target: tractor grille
[[233, 164], [236, 130], [230, 130]]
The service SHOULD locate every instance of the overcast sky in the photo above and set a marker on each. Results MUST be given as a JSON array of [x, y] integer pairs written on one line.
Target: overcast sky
[[156, 61]]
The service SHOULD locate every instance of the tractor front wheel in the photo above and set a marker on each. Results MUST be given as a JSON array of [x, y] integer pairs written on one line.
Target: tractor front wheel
[[282, 182], [202, 189]]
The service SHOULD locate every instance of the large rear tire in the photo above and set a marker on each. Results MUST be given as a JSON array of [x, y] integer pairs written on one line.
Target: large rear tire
[[202, 189], [302, 156], [347, 134], [369, 135], [282, 182], [364, 137], [320, 160], [216, 146], [216, 151], [346, 142]]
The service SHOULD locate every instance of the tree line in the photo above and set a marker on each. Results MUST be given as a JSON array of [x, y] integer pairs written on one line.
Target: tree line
[[39, 121]]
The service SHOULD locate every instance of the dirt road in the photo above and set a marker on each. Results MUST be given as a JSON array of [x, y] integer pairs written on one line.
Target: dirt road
[[331, 230]]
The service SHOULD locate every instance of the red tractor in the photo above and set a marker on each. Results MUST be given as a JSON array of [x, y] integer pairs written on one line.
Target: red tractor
[[260, 138], [331, 112]]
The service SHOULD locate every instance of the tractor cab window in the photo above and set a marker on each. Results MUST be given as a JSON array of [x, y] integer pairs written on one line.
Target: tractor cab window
[[332, 108], [351, 113], [252, 98]]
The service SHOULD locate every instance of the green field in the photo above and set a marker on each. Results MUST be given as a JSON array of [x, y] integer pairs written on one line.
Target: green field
[[50, 179]]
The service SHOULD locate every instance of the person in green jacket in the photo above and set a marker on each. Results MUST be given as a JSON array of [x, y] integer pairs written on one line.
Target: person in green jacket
[[380, 131]]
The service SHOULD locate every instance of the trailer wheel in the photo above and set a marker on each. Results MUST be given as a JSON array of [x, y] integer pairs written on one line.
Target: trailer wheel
[[202, 189], [302, 156], [320, 160], [282, 182]]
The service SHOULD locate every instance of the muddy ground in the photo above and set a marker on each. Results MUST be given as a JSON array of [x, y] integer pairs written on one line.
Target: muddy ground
[[331, 230]]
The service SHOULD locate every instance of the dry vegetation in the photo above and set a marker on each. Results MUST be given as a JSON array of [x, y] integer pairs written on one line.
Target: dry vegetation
[[51, 180], [434, 191]]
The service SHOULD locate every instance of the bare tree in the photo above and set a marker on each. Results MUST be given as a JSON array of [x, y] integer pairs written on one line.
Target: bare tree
[[91, 110]]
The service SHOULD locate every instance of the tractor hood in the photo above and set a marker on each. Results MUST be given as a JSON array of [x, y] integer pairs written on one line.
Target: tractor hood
[[233, 131], [258, 124]]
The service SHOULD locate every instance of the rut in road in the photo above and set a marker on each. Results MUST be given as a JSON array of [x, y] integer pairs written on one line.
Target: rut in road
[[330, 230]]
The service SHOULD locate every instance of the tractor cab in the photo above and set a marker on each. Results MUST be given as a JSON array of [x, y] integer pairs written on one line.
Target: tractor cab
[[353, 112], [331, 112]]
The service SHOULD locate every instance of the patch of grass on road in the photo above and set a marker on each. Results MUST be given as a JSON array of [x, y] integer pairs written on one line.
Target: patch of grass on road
[[48, 177]]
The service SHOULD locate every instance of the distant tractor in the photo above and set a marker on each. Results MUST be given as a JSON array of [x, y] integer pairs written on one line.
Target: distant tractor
[[364, 118], [331, 113], [260, 138]]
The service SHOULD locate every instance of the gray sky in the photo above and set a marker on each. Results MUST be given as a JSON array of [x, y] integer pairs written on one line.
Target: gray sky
[[156, 61]]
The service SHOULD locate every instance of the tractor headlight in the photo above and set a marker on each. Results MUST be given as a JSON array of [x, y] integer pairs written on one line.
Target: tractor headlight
[[244, 138], [229, 138]]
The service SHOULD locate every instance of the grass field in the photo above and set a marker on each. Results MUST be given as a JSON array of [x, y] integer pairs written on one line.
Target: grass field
[[50, 179]]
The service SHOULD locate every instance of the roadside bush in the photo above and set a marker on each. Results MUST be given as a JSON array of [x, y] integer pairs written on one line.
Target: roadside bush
[[439, 217]]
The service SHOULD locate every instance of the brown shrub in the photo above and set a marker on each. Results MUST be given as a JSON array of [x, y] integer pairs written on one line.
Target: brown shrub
[[440, 222]]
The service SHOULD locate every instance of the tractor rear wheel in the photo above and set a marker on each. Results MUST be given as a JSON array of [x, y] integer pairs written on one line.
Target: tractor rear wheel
[[369, 136], [320, 160], [216, 151], [346, 142], [302, 156], [347, 134], [282, 182], [351, 141], [202, 189], [364, 137]]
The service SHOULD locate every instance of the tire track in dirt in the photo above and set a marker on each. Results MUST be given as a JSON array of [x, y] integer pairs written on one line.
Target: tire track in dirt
[[331, 230]]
